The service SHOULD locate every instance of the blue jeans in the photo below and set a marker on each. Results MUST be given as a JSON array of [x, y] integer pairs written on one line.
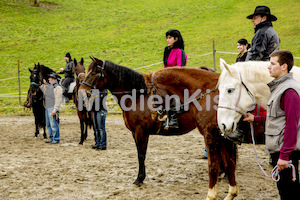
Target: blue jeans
[[205, 152], [99, 124], [52, 124]]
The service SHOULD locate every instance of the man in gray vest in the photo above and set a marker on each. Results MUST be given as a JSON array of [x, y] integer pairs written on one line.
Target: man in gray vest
[[266, 39], [53, 98], [282, 122]]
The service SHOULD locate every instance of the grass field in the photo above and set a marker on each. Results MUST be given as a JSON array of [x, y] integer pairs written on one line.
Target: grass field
[[127, 32]]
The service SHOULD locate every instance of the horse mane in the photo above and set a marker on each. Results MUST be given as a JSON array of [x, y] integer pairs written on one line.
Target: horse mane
[[124, 76], [252, 71]]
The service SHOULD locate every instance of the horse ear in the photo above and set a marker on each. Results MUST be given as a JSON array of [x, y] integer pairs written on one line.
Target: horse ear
[[30, 70], [75, 62], [96, 59], [93, 59], [81, 61], [38, 66], [224, 66]]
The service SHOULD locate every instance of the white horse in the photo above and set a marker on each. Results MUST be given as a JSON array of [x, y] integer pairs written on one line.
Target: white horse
[[240, 86]]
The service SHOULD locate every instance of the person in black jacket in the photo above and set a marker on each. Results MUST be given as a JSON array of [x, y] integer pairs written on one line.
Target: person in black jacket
[[266, 39], [69, 73]]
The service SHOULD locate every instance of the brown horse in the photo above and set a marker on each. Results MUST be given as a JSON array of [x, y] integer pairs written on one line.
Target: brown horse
[[122, 81], [85, 117]]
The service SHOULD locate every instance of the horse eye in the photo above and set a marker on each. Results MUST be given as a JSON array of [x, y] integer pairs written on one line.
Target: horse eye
[[230, 90]]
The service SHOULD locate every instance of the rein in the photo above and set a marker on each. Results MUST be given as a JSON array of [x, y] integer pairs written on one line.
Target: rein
[[101, 76], [275, 172]]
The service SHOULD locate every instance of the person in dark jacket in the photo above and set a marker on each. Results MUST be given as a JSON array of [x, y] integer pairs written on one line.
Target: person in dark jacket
[[242, 46], [69, 73], [264, 42], [266, 39]]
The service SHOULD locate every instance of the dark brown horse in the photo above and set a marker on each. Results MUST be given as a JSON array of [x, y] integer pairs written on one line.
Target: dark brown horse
[[85, 117], [122, 81], [35, 97], [35, 100]]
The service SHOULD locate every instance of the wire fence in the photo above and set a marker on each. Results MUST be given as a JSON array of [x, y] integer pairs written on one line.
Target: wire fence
[[112, 106]]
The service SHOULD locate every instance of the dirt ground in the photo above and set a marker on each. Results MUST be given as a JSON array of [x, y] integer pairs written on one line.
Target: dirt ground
[[32, 169]]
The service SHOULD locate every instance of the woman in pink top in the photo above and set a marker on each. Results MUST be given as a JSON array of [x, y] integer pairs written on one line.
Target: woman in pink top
[[174, 54]]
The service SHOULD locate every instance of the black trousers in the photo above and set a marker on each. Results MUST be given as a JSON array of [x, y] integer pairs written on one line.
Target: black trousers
[[288, 190], [66, 83]]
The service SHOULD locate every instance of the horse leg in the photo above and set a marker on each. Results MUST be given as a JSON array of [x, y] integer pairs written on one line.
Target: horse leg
[[81, 131], [44, 129], [36, 121], [37, 131], [231, 160], [214, 162], [86, 124], [141, 141]]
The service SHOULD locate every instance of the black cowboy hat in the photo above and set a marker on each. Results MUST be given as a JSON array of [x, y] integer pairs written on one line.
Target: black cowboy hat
[[263, 10]]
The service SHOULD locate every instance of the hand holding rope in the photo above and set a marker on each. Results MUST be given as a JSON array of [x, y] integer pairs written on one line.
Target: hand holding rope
[[275, 172]]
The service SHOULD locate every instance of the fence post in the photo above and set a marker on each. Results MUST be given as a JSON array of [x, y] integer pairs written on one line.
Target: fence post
[[214, 55], [19, 82]]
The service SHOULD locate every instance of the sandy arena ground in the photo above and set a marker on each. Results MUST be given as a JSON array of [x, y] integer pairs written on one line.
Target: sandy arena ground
[[32, 169]]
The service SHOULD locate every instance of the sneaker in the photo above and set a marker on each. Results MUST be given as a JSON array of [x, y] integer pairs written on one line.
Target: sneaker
[[48, 141], [96, 146], [203, 157], [54, 142]]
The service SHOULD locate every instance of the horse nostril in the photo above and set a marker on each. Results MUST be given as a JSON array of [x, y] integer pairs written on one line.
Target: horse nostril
[[232, 127], [224, 126]]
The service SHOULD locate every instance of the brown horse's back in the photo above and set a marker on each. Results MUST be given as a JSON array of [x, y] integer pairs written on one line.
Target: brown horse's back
[[197, 82]]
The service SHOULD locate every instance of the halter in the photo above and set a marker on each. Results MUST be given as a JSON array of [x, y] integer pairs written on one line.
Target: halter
[[235, 108], [80, 74], [34, 83]]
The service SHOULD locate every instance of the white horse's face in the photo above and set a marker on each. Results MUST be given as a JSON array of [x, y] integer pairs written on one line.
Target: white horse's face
[[232, 95]]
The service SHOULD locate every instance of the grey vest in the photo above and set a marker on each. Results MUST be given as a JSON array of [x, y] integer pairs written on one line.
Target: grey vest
[[275, 122]]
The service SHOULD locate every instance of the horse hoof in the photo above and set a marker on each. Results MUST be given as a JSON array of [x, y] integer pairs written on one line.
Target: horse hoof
[[81, 143], [138, 183]]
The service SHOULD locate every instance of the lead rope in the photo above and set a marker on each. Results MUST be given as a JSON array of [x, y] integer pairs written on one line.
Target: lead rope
[[275, 172]]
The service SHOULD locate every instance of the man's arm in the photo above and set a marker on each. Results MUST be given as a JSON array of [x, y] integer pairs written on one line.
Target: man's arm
[[290, 102]]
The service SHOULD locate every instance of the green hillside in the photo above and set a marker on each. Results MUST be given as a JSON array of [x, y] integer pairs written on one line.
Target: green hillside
[[127, 32]]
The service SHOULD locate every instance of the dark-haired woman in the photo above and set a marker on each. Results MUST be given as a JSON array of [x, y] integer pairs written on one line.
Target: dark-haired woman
[[242, 46], [174, 54]]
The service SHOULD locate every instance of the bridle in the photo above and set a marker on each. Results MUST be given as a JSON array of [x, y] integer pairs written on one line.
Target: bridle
[[35, 84], [100, 75], [235, 108]]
